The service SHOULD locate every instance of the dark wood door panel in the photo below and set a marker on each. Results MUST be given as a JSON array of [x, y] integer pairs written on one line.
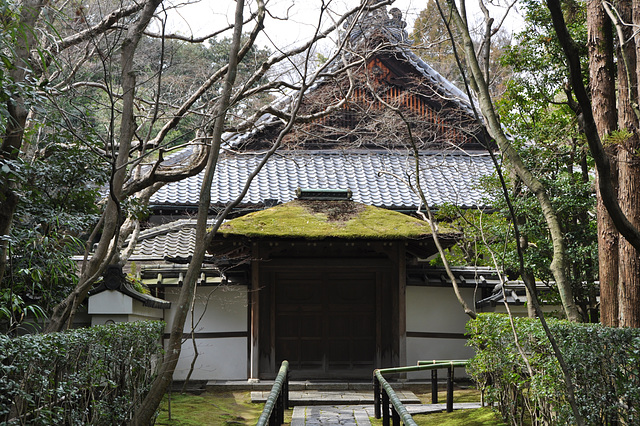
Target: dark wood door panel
[[325, 321]]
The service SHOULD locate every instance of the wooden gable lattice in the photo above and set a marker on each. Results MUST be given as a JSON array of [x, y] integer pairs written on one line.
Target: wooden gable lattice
[[389, 99]]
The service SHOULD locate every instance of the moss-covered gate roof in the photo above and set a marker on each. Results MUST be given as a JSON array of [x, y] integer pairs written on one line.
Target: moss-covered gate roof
[[312, 219]]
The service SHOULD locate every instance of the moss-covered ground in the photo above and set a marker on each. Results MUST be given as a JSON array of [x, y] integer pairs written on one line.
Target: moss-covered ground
[[235, 408], [210, 409], [473, 417]]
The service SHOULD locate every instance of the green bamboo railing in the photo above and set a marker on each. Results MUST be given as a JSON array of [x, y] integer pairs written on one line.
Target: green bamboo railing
[[384, 395], [278, 400]]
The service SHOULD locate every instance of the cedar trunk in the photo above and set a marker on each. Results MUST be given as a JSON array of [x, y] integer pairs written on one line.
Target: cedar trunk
[[602, 78], [629, 170], [628, 175]]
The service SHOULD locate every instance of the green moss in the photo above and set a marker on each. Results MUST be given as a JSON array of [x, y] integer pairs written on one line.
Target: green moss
[[210, 408], [472, 417], [322, 219]]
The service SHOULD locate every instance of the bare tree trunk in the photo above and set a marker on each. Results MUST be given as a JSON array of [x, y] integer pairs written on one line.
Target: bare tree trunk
[[64, 312], [527, 275], [558, 265], [148, 407], [602, 78]]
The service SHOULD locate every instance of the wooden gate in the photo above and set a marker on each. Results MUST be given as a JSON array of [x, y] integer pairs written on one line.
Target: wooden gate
[[326, 323]]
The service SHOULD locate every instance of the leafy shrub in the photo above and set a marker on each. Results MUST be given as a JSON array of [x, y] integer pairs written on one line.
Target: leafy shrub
[[97, 375], [604, 364]]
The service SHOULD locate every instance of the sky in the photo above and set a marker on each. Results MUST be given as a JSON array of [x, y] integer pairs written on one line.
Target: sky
[[292, 21]]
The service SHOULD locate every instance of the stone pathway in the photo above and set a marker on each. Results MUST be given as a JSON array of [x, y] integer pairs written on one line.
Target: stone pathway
[[353, 415], [350, 415], [337, 404]]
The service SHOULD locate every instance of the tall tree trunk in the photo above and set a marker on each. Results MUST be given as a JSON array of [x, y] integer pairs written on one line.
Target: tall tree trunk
[[559, 263], [64, 312], [629, 169], [602, 78], [147, 409]]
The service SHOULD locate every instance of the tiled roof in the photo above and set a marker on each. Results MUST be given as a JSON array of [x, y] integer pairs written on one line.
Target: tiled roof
[[467, 276], [175, 239], [514, 291], [377, 178]]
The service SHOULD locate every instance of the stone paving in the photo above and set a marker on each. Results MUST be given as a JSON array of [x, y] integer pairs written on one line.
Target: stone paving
[[344, 404], [318, 415], [359, 415]]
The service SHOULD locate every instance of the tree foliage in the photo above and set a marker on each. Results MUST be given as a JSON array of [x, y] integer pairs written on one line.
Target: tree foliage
[[92, 376], [525, 381], [438, 42], [538, 111], [432, 43]]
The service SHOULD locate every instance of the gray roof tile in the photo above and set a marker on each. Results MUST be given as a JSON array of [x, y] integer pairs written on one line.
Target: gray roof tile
[[377, 178], [175, 239]]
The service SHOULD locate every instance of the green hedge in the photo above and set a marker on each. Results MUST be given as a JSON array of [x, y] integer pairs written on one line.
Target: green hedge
[[604, 363], [95, 376]]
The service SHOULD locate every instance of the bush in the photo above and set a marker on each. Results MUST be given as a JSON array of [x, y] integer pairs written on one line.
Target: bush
[[604, 365], [97, 375]]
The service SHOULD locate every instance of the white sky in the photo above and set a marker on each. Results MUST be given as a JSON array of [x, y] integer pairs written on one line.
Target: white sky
[[298, 18]]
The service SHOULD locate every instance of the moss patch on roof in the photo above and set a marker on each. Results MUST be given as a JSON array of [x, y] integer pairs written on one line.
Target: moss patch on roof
[[312, 219]]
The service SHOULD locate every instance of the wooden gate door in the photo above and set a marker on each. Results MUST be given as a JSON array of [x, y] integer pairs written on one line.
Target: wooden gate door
[[325, 322]]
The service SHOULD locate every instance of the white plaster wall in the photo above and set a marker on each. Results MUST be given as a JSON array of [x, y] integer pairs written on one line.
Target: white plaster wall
[[521, 310], [437, 349], [217, 309], [218, 359], [110, 302], [112, 306], [436, 310]]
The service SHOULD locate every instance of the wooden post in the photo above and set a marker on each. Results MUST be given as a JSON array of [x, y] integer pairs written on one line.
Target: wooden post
[[254, 320], [434, 386], [449, 389], [385, 409], [395, 417]]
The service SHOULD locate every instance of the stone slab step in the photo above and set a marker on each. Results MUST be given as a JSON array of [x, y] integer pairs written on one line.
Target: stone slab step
[[333, 397], [232, 385]]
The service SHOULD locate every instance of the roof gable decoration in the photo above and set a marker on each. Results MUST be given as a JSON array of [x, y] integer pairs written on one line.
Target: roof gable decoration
[[378, 21], [368, 31], [115, 280]]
